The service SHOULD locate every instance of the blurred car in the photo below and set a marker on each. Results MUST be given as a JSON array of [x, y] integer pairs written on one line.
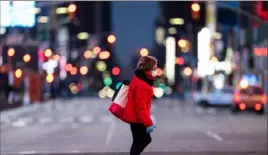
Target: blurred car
[[217, 97], [249, 97]]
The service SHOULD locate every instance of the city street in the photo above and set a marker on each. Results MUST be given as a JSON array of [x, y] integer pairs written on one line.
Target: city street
[[84, 125]]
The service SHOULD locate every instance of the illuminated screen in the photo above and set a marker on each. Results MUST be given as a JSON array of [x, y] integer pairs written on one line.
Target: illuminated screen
[[17, 13]]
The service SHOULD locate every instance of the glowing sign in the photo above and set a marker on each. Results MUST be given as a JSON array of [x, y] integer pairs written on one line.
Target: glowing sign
[[260, 51], [17, 13]]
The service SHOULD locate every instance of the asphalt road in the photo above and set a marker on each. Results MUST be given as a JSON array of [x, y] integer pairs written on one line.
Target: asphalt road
[[84, 126]]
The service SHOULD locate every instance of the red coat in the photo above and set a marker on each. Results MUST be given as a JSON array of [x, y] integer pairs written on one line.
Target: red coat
[[138, 107]]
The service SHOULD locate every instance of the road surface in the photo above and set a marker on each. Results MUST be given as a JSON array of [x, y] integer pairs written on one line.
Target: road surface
[[84, 125]]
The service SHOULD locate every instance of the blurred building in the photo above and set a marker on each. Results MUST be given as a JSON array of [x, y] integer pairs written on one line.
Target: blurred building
[[233, 41], [180, 21], [76, 33]]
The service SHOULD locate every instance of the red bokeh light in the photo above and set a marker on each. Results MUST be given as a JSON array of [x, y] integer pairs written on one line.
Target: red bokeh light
[[180, 61], [116, 71]]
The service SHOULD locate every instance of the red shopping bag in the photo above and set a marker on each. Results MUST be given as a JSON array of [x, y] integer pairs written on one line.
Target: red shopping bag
[[120, 98]]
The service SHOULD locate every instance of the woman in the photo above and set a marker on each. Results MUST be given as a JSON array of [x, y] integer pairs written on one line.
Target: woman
[[137, 110]]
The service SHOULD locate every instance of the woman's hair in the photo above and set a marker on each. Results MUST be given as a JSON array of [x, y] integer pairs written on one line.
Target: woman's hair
[[146, 63]]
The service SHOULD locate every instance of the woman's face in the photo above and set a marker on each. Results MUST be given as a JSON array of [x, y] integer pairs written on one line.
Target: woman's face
[[154, 71]]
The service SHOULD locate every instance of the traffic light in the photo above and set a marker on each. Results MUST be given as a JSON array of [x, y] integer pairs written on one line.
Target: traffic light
[[195, 9]]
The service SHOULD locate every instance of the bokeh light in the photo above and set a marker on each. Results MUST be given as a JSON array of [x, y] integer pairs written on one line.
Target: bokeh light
[[96, 50], [83, 70], [180, 61], [48, 52], [72, 8], [195, 7], [88, 54], [73, 71], [101, 66], [168, 90], [185, 49], [102, 94], [244, 84], [68, 67], [107, 81], [11, 52], [104, 55], [158, 92], [214, 59], [27, 58], [116, 71], [3, 69], [111, 39], [118, 85], [162, 86], [18, 73], [187, 71], [159, 72], [144, 52], [50, 78], [182, 43], [110, 93]]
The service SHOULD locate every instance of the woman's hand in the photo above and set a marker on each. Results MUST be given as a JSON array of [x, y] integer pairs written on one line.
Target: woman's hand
[[150, 129]]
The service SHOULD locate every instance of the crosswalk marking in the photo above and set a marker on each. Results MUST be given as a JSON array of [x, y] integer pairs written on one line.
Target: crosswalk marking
[[66, 119], [86, 119], [44, 120], [19, 124]]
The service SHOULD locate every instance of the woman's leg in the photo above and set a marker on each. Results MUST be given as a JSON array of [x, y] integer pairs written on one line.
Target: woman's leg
[[140, 138]]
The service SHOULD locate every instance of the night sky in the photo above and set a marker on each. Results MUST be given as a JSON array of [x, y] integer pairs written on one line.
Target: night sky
[[133, 24]]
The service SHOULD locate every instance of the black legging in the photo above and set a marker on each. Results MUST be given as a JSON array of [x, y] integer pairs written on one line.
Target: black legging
[[140, 138]]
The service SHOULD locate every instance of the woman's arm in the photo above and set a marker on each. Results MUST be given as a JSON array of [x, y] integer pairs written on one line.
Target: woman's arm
[[142, 95]]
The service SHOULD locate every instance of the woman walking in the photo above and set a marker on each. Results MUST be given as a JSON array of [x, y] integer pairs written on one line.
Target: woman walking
[[137, 110]]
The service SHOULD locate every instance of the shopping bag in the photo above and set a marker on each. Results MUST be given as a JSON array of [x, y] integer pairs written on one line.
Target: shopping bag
[[119, 99]]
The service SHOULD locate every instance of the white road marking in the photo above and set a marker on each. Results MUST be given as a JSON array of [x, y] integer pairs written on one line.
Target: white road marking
[[211, 111], [45, 120], [22, 122], [66, 120], [75, 126], [214, 135], [27, 152], [75, 151], [26, 119], [199, 110], [86, 119], [19, 124], [111, 131]]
